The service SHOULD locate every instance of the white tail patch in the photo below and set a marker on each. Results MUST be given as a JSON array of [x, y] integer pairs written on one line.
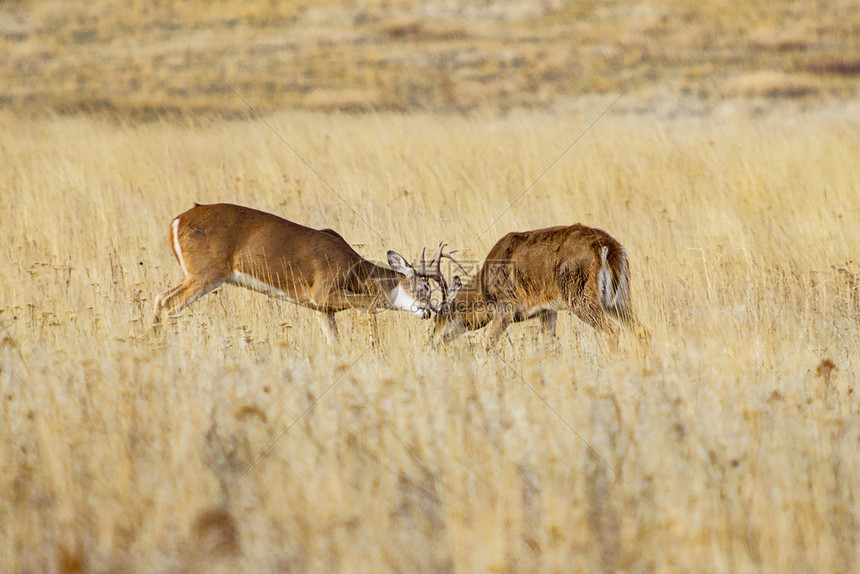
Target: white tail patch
[[175, 239], [612, 285], [604, 280]]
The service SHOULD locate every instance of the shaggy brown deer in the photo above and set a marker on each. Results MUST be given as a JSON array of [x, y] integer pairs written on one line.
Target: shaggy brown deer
[[537, 273], [314, 268]]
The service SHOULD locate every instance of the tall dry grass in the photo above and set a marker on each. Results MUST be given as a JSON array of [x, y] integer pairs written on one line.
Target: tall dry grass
[[736, 441]]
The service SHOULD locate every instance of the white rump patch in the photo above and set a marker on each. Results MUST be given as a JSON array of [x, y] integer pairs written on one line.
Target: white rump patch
[[254, 284], [175, 232]]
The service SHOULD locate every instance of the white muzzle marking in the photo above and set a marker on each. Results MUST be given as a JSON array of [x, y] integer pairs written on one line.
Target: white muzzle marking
[[403, 301]]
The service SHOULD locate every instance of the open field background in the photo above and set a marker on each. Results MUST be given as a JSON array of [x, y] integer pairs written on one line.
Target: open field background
[[139, 58], [729, 171], [738, 442]]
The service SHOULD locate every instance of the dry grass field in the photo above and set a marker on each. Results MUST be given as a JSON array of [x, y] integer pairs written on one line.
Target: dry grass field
[[737, 437], [238, 440], [139, 58]]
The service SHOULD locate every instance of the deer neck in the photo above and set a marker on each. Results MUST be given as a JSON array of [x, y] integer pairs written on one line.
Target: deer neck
[[392, 294], [382, 285], [471, 306]]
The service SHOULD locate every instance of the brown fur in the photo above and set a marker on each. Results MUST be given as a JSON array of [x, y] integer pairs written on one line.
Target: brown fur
[[525, 273], [314, 268]]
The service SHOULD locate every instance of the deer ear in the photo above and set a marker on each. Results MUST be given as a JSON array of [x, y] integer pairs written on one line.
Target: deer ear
[[399, 264], [456, 283]]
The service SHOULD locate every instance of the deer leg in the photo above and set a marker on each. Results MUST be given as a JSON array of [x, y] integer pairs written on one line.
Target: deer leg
[[184, 294], [591, 313], [374, 330], [642, 333], [329, 327], [500, 322], [548, 319], [159, 303]]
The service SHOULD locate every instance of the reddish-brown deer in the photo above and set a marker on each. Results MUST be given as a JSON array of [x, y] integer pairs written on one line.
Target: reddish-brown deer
[[314, 268], [536, 274]]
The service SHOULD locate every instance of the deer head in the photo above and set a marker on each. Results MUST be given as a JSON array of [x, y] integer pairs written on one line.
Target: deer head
[[433, 271]]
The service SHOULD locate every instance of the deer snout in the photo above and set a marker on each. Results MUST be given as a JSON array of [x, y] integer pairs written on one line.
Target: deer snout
[[447, 329]]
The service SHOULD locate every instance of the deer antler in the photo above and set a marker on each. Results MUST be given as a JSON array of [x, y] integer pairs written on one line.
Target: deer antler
[[434, 271], [457, 263]]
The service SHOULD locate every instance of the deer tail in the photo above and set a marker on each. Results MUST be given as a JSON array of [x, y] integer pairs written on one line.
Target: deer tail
[[613, 286]]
